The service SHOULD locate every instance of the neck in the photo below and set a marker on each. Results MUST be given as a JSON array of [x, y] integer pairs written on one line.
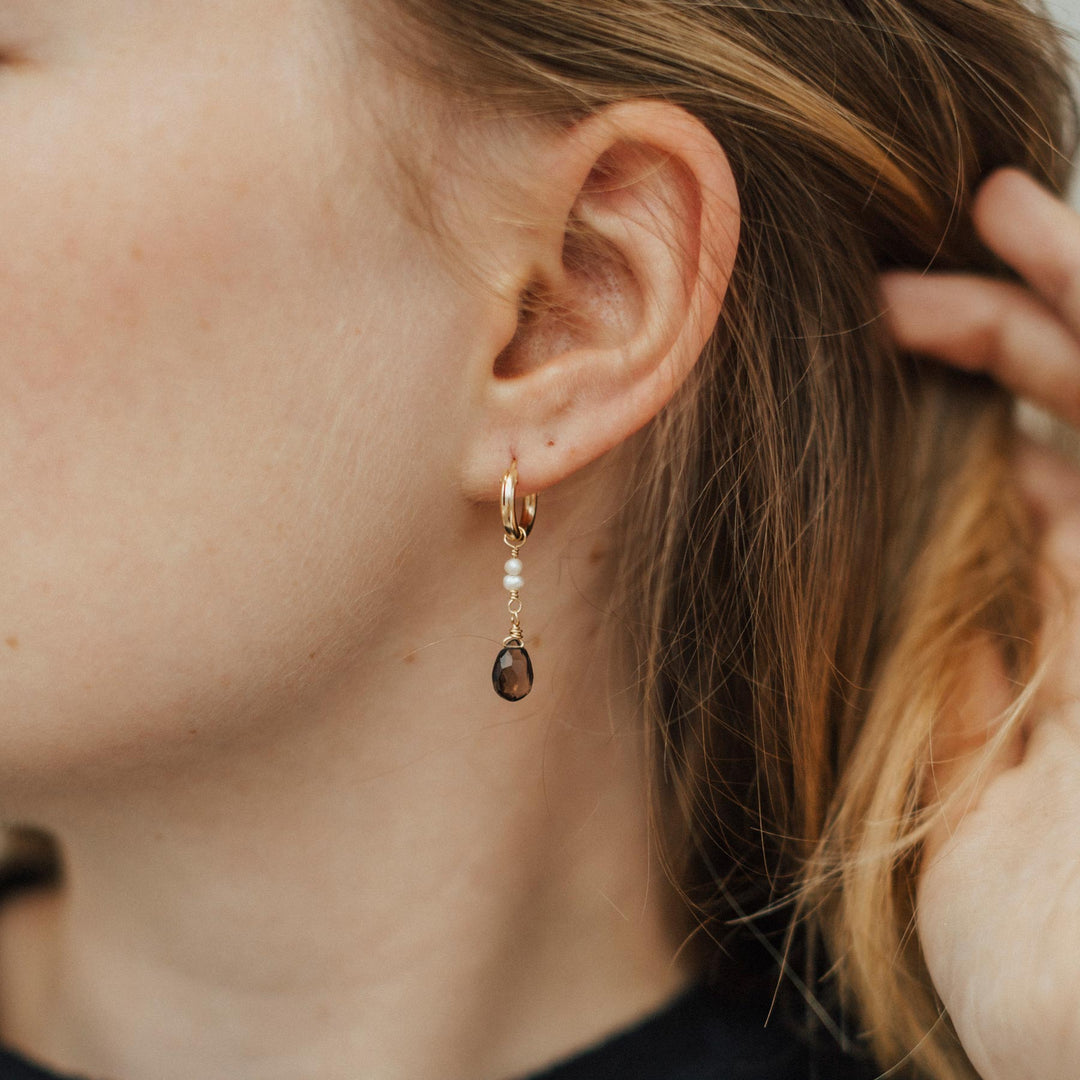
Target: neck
[[367, 887]]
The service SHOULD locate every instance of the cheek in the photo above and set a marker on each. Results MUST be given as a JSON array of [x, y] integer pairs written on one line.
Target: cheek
[[203, 399]]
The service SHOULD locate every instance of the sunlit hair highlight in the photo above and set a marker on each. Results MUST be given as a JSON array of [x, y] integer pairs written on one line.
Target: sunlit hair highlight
[[817, 528]]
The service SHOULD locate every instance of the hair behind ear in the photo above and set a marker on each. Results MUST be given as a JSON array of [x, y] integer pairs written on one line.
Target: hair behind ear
[[799, 477]]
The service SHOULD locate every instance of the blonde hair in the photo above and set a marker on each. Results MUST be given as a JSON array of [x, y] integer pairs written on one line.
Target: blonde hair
[[819, 527]]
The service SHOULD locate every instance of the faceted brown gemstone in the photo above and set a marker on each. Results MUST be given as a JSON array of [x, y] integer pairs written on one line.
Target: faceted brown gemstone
[[512, 675]]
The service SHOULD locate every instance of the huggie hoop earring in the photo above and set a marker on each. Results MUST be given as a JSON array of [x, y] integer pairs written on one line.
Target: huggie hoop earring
[[517, 531], [512, 675]]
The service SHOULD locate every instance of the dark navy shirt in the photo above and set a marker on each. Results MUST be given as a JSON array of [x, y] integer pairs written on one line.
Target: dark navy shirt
[[704, 1035]]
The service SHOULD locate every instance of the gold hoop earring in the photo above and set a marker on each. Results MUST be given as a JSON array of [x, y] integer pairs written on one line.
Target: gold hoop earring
[[512, 675]]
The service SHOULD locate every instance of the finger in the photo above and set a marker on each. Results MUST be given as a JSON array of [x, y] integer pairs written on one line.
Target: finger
[[993, 327], [1036, 234]]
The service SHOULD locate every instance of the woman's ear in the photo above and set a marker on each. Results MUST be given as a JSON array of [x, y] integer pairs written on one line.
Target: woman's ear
[[622, 293]]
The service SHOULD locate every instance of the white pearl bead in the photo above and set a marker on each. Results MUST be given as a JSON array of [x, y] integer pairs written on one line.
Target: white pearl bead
[[514, 567], [512, 582]]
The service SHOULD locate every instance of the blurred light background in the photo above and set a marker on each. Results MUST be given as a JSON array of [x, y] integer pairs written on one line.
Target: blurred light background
[[1067, 13]]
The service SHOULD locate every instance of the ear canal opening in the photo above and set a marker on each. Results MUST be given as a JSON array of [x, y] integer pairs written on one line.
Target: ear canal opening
[[530, 302], [596, 300], [539, 316]]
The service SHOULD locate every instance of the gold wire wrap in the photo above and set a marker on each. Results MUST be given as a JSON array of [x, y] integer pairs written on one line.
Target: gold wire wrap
[[513, 605]]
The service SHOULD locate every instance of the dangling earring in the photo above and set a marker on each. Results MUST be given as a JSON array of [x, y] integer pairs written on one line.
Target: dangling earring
[[512, 675]]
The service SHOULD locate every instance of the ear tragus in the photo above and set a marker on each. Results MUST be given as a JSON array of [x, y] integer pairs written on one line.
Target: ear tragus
[[595, 302]]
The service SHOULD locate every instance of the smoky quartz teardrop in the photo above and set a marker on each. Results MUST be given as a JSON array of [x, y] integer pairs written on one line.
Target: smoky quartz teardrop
[[512, 675]]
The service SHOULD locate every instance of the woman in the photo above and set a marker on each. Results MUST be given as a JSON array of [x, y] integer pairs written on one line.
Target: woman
[[289, 292]]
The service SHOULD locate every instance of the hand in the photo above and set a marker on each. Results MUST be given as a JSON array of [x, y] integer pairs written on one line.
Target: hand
[[999, 897]]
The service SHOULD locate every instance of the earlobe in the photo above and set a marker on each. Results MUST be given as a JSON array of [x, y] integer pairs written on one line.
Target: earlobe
[[627, 294]]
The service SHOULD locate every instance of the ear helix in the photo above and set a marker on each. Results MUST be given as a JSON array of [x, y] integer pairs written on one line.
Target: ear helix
[[512, 675]]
